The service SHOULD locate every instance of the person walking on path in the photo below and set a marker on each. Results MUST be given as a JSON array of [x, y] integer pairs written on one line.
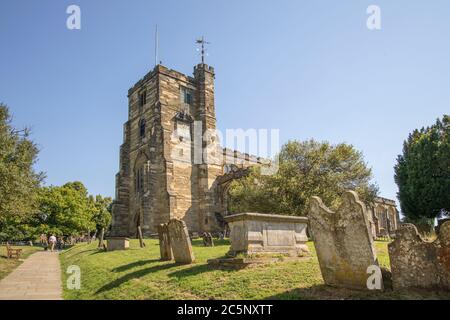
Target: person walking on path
[[61, 243], [43, 239], [52, 241]]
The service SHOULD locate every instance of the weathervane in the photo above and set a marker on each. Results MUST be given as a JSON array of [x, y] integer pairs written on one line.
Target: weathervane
[[202, 42]]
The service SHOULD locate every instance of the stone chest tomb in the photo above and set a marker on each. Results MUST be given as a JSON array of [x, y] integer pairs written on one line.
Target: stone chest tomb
[[256, 233], [117, 243]]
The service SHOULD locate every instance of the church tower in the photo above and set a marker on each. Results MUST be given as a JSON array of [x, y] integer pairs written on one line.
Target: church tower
[[160, 174], [211, 166]]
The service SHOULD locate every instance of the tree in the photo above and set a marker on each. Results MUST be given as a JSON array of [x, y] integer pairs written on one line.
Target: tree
[[62, 210], [422, 174], [306, 169], [21, 227], [19, 182], [102, 212], [67, 210]]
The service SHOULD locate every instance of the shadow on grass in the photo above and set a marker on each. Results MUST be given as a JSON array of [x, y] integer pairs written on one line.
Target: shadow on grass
[[198, 269], [99, 251], [68, 251], [315, 292], [134, 265], [134, 275], [324, 292], [195, 270]]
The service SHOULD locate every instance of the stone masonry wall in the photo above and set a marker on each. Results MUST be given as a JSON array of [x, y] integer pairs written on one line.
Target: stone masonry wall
[[174, 187]]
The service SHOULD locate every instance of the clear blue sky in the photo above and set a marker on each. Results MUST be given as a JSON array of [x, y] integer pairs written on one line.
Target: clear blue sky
[[309, 68]]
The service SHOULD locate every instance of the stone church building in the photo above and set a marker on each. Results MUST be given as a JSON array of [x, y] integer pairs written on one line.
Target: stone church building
[[383, 217], [166, 172], [160, 175]]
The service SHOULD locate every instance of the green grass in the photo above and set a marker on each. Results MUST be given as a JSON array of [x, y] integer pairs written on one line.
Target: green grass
[[8, 265], [382, 253], [138, 274]]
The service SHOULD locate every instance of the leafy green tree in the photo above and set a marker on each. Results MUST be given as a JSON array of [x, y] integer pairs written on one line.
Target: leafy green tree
[[422, 174], [20, 227], [19, 182], [102, 211], [66, 210], [11, 229], [306, 169]]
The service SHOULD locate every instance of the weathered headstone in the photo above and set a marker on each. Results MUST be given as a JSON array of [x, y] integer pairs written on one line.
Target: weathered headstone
[[180, 241], [343, 242], [416, 263], [101, 238], [89, 239], [141, 238], [440, 223], [164, 242], [208, 240]]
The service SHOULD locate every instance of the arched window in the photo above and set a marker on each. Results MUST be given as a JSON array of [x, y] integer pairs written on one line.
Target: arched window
[[142, 129], [139, 180], [140, 171], [142, 98]]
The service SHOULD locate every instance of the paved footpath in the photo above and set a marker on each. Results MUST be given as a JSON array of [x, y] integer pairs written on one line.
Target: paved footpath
[[37, 278]]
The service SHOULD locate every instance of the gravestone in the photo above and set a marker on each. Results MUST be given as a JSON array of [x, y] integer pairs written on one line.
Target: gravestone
[[164, 242], [180, 241], [140, 236], [416, 263], [440, 223], [208, 240], [101, 238], [343, 242]]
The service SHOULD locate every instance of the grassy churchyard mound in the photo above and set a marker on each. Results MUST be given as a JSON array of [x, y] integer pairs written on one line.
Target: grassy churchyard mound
[[139, 274]]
